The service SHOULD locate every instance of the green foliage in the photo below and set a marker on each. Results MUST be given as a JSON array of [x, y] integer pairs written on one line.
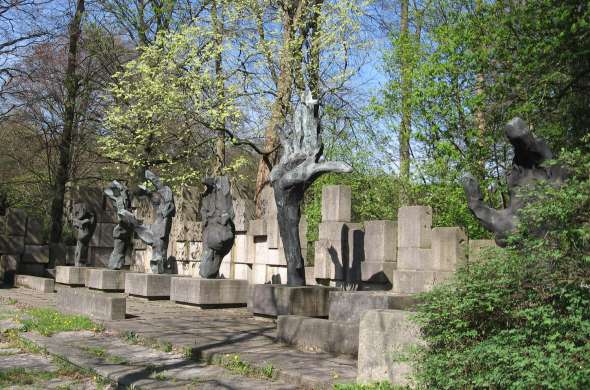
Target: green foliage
[[235, 364], [49, 321], [24, 376], [519, 317], [371, 386]]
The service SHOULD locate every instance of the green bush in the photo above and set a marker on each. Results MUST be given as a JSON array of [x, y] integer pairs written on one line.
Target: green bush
[[520, 318]]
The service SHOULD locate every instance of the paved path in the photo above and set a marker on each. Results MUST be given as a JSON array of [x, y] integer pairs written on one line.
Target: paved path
[[213, 333]]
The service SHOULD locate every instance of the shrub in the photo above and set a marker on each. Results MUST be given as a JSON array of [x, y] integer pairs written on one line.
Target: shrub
[[519, 319]]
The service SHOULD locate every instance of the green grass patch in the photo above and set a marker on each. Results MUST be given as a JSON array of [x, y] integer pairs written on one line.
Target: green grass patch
[[131, 337], [235, 364], [24, 376], [49, 321], [371, 386]]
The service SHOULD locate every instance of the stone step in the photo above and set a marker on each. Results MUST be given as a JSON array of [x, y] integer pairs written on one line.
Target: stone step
[[150, 286], [140, 367], [349, 306], [275, 300], [209, 292], [44, 285], [318, 334], [106, 279], [96, 304]]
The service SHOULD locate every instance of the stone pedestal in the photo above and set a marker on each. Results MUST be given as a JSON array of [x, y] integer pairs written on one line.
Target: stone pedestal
[[106, 279], [275, 300], [71, 276], [385, 339], [209, 292], [96, 304], [150, 286], [44, 285], [349, 306]]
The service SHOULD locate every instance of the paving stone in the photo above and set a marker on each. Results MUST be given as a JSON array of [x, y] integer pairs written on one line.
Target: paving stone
[[44, 285], [199, 291]]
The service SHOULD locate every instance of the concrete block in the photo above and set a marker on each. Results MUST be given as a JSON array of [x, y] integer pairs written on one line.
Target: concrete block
[[225, 270], [411, 258], [275, 300], [318, 335], [310, 276], [103, 235], [244, 212], [258, 274], [257, 228], [273, 236], [333, 231], [380, 241], [151, 286], [105, 279], [44, 285], [477, 249], [36, 254], [261, 250], [12, 245], [251, 248], [209, 291], [35, 234], [327, 264], [95, 304], [243, 271], [275, 257], [267, 203], [276, 274], [349, 306], [16, 222], [377, 272], [32, 269], [448, 247], [412, 282], [414, 224], [71, 276], [385, 338], [241, 248], [336, 203]]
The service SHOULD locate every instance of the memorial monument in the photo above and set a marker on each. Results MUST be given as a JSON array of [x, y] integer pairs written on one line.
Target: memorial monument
[[528, 167], [84, 222], [218, 226], [157, 234], [299, 166], [122, 233]]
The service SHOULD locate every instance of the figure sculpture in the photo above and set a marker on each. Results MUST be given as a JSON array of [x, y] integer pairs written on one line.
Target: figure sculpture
[[530, 154], [84, 222], [122, 233], [157, 234], [218, 226], [298, 167]]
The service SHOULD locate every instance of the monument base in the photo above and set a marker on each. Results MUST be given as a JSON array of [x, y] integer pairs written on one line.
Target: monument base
[[96, 304], [44, 285], [275, 300], [149, 286], [349, 306], [106, 279], [209, 292], [319, 335], [71, 276]]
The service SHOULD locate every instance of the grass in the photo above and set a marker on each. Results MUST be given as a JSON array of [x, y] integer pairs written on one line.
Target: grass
[[49, 321], [23, 376], [235, 364], [371, 386], [131, 337], [101, 353]]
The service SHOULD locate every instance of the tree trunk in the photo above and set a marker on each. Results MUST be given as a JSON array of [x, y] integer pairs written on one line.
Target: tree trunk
[[288, 216], [220, 85], [71, 84], [282, 104], [405, 127]]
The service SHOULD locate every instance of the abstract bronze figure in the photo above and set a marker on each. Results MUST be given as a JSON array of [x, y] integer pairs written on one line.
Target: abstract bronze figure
[[530, 154], [84, 222], [218, 226], [297, 169], [157, 234], [122, 233]]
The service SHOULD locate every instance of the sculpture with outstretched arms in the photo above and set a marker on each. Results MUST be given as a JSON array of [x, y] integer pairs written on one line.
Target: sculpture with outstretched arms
[[299, 166], [528, 167]]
